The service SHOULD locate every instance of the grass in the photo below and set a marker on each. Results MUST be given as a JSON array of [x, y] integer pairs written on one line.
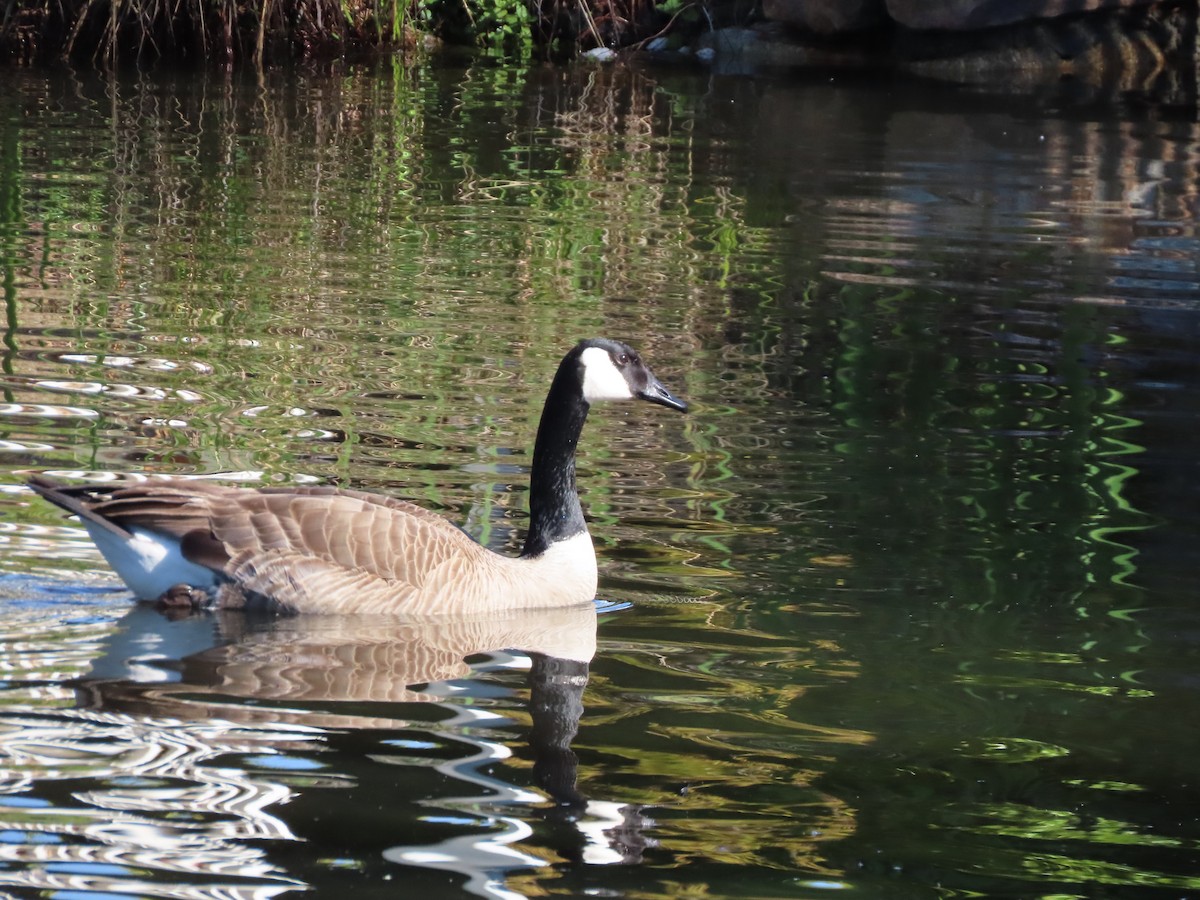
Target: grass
[[109, 32]]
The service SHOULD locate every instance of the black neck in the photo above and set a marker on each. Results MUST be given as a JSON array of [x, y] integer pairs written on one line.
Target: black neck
[[554, 510]]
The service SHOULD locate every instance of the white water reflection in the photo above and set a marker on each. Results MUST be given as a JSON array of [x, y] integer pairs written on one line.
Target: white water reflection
[[601, 829], [162, 806], [150, 757], [483, 859], [98, 800]]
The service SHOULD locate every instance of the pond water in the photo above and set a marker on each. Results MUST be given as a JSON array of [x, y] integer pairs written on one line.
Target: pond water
[[905, 607]]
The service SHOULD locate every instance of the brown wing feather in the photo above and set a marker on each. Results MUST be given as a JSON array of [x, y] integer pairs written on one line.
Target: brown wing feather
[[301, 583], [388, 539], [317, 548], [175, 508]]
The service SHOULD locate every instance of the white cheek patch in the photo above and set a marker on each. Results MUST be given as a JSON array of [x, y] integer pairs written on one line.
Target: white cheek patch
[[601, 379]]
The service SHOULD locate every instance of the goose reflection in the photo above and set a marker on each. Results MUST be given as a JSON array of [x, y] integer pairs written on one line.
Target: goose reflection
[[208, 665], [347, 675]]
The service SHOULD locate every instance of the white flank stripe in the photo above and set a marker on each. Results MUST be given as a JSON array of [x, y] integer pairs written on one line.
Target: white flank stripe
[[150, 564]]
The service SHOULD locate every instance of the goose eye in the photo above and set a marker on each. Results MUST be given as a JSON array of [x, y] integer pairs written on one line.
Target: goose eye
[[623, 359]]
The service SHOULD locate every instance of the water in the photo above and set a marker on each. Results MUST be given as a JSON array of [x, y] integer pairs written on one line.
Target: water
[[903, 608]]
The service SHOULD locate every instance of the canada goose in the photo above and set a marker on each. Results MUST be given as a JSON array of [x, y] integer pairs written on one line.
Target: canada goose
[[327, 550]]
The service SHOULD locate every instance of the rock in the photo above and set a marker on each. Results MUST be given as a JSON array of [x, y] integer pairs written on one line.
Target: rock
[[772, 44], [1127, 46], [827, 16], [727, 41], [600, 55], [970, 15]]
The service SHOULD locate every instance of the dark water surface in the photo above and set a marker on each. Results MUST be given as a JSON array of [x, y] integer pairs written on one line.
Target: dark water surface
[[906, 607]]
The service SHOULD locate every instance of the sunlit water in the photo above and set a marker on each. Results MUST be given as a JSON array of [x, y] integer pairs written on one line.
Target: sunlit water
[[904, 608]]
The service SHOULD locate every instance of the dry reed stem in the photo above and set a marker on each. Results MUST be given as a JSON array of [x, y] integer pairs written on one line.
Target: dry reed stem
[[262, 33]]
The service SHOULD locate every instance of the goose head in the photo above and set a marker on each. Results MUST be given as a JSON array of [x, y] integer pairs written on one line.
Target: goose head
[[594, 370], [611, 370]]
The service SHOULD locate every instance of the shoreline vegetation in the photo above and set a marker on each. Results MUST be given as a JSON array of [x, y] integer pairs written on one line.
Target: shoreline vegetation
[[235, 32], [1131, 44], [201, 32]]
